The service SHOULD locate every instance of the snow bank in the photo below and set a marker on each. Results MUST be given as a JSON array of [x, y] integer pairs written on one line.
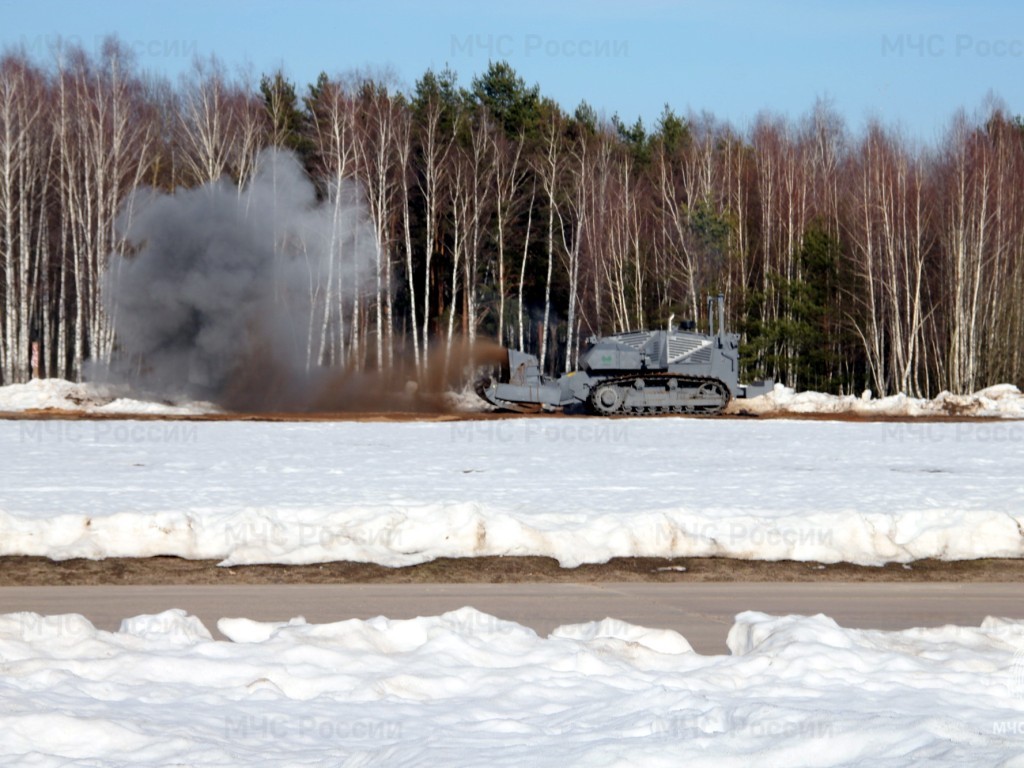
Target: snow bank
[[466, 688], [581, 490], [1000, 401], [58, 394]]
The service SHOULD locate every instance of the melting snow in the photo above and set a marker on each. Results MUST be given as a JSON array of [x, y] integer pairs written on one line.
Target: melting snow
[[466, 688]]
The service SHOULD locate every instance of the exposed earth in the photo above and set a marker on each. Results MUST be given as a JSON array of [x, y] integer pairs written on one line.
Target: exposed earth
[[40, 571]]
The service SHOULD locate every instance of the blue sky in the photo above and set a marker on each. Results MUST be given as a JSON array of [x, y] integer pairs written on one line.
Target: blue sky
[[910, 63]]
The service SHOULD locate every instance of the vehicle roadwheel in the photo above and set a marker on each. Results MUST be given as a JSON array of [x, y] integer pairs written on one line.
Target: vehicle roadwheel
[[606, 399]]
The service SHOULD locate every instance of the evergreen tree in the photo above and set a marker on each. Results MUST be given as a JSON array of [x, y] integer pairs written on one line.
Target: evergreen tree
[[438, 88], [800, 345], [586, 118], [505, 95], [635, 138], [287, 122], [673, 131]]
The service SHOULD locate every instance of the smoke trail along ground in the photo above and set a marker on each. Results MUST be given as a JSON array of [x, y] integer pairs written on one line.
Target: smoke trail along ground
[[221, 288]]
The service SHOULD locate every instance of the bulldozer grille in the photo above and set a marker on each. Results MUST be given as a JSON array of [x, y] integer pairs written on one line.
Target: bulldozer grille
[[694, 350]]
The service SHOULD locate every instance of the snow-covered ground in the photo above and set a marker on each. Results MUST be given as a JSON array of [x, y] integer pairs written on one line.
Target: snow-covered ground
[[466, 688], [576, 489], [58, 394], [1000, 401]]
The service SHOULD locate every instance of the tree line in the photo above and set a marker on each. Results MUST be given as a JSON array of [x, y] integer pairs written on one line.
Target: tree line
[[847, 260]]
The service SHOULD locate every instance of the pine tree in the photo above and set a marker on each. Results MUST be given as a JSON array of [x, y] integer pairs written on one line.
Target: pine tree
[[288, 125]]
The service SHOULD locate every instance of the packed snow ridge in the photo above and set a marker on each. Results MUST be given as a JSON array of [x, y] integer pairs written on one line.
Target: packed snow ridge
[[466, 688], [61, 395], [580, 490], [1001, 401]]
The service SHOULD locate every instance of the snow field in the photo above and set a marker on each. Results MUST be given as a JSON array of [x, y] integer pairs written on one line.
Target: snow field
[[1000, 401], [581, 490], [466, 688]]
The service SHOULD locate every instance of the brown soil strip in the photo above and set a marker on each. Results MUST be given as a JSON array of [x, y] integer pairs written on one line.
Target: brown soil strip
[[39, 571], [445, 416]]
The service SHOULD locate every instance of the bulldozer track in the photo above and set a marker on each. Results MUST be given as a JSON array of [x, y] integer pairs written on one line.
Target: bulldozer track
[[600, 400]]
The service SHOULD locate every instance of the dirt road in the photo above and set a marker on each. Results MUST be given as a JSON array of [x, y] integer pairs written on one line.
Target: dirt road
[[703, 613]]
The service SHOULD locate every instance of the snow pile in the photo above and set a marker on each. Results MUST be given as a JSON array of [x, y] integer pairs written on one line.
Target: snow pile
[[466, 688], [466, 400], [581, 490], [1000, 401], [58, 394]]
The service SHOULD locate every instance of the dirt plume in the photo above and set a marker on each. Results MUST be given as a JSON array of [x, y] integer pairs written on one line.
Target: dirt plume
[[259, 385]]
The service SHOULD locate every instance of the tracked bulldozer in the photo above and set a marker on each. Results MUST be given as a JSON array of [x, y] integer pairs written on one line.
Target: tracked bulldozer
[[676, 370]]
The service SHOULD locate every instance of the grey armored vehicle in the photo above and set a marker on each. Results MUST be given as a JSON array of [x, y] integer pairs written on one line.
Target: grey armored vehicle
[[637, 372]]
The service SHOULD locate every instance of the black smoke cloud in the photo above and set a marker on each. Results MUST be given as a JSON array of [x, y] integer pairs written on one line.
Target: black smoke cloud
[[221, 291]]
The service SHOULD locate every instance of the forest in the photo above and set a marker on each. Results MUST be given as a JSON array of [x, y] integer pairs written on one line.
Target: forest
[[848, 259]]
